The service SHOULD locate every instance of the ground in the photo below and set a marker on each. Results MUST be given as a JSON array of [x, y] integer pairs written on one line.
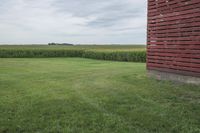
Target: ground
[[44, 95]]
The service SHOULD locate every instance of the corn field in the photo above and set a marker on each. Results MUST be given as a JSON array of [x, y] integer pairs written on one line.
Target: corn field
[[114, 53]]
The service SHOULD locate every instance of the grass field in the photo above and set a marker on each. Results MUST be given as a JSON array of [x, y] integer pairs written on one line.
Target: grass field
[[76, 95], [78, 47], [128, 53]]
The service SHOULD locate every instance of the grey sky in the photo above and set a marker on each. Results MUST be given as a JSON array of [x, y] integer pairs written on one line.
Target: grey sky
[[73, 21]]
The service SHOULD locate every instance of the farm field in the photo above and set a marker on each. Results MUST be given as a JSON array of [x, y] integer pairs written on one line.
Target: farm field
[[78, 47], [77, 95], [128, 53]]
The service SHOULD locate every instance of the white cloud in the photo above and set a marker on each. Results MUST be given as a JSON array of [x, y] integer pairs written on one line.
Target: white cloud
[[83, 21]]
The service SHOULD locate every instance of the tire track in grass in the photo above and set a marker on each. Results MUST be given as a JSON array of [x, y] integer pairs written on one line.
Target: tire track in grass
[[94, 103]]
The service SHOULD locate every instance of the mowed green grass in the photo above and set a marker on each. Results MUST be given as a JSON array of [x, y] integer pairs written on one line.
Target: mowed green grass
[[74, 95]]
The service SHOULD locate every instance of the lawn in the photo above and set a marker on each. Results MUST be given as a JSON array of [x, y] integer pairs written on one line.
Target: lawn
[[76, 95]]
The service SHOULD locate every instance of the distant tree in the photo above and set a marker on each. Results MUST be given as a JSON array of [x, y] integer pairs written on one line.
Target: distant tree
[[52, 43], [67, 44]]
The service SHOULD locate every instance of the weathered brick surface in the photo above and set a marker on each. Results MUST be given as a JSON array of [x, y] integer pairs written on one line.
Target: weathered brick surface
[[174, 36]]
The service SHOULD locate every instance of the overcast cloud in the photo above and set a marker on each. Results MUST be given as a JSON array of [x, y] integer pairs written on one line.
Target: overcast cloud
[[73, 21]]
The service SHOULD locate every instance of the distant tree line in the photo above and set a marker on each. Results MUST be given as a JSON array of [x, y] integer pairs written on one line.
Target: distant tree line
[[68, 44]]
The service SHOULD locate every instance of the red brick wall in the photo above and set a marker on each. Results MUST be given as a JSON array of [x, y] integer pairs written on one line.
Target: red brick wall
[[173, 43]]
